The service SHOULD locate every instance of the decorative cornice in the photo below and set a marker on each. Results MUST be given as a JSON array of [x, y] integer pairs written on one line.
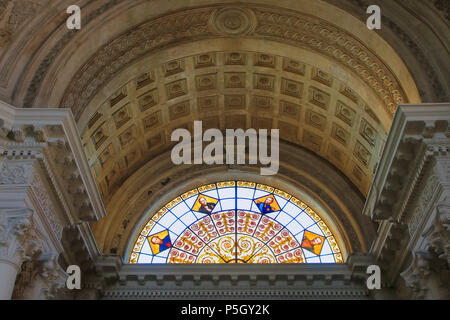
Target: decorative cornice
[[245, 293], [418, 134], [76, 248], [407, 188], [13, 174], [117, 280], [402, 37], [51, 136], [50, 166]]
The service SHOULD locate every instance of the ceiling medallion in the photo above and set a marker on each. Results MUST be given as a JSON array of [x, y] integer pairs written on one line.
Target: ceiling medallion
[[233, 21]]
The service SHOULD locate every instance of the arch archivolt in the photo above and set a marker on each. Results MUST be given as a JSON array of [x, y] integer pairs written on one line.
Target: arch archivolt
[[55, 59], [304, 175], [247, 21]]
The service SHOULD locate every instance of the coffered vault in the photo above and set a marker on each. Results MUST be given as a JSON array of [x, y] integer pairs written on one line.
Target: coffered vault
[[234, 90], [139, 69], [232, 66], [308, 94]]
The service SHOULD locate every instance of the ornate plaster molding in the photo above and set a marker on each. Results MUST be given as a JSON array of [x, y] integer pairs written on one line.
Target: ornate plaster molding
[[124, 281], [13, 173], [13, 13], [41, 276], [19, 240], [427, 276], [418, 135], [407, 38], [56, 182], [268, 293], [49, 136], [50, 54], [193, 24]]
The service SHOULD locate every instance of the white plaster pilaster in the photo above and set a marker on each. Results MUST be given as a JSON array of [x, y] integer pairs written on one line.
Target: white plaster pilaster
[[43, 170], [409, 197]]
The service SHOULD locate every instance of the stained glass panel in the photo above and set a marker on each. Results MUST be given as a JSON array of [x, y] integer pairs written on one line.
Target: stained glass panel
[[236, 222]]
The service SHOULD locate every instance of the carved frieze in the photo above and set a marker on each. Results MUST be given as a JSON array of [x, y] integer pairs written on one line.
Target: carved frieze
[[423, 201], [11, 173], [42, 193]]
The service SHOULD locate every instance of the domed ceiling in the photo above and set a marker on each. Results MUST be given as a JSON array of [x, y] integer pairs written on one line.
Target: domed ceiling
[[321, 86]]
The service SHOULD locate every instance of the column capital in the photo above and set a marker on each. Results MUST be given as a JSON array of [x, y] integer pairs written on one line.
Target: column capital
[[427, 276], [18, 240], [437, 235], [416, 274], [52, 278]]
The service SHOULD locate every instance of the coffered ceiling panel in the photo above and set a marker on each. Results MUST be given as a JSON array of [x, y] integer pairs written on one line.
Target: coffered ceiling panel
[[236, 89]]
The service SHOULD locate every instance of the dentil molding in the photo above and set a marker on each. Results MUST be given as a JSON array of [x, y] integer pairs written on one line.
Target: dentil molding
[[409, 197]]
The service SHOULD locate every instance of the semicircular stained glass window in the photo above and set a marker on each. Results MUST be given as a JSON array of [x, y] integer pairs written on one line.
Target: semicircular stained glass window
[[236, 222]]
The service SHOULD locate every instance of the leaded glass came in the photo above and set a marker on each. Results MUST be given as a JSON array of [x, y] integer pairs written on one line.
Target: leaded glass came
[[236, 222]]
